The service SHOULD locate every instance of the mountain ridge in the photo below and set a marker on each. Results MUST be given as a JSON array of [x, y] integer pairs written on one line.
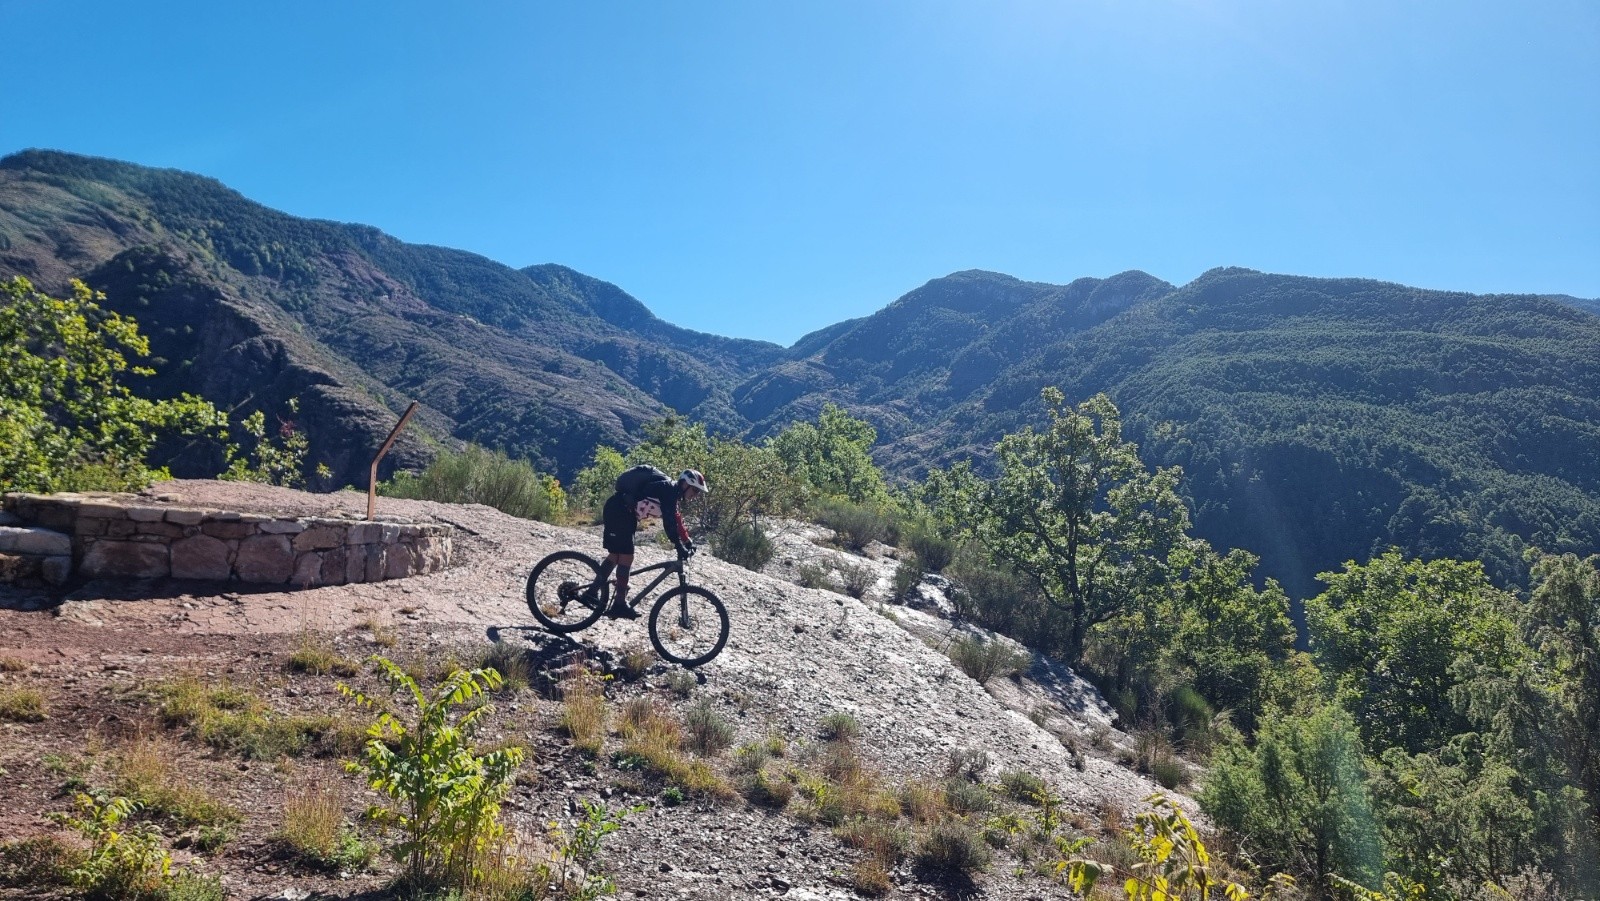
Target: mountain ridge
[[1317, 420]]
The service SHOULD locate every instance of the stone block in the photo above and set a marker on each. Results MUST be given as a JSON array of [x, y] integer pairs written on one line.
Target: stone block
[[355, 564], [105, 558], [121, 528], [374, 571], [334, 565], [307, 570], [200, 557], [257, 518], [185, 517], [90, 528], [146, 514], [56, 570], [282, 527], [160, 529], [319, 538], [7, 518], [228, 529], [102, 510], [264, 558], [226, 516], [42, 541], [364, 533], [397, 562]]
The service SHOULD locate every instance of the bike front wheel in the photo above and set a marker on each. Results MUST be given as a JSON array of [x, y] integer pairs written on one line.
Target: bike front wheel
[[689, 626], [565, 593]]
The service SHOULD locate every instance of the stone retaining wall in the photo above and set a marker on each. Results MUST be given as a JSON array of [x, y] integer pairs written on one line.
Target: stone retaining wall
[[54, 537]]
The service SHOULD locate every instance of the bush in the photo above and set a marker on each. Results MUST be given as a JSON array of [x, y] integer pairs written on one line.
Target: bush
[[856, 525], [907, 576], [743, 544], [934, 551], [1023, 786], [480, 476], [858, 578], [984, 660], [953, 846], [767, 789], [967, 797], [707, 731], [124, 861]]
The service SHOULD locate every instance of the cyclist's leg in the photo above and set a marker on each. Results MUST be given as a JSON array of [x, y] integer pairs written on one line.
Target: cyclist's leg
[[620, 524]]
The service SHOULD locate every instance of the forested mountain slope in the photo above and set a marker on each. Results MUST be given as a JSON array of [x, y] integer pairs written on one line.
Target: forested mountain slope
[[1317, 420], [543, 364]]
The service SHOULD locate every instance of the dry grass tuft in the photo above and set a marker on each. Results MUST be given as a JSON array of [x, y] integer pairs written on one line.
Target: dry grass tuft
[[22, 705], [316, 657], [583, 712], [148, 771], [871, 878], [13, 665]]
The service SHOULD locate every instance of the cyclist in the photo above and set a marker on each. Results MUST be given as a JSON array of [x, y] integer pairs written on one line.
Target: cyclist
[[622, 514]]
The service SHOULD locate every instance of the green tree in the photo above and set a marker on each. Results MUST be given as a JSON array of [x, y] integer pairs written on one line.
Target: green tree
[[1075, 510], [1391, 633], [67, 418], [1297, 801], [833, 457]]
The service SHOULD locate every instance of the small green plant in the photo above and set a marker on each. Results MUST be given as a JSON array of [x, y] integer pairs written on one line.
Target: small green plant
[[857, 579], [963, 796], [814, 575], [636, 661], [578, 878], [839, 726], [123, 861], [672, 796], [1173, 861], [933, 551], [22, 705], [443, 796], [681, 682], [767, 789]]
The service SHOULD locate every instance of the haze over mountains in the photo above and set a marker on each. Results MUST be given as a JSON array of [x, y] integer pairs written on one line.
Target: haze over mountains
[[1317, 420]]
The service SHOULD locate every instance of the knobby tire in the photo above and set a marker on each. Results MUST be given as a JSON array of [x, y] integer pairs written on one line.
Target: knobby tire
[[689, 647], [544, 592]]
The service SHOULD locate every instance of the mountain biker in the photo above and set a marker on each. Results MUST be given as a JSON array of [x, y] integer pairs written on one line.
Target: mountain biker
[[622, 514]]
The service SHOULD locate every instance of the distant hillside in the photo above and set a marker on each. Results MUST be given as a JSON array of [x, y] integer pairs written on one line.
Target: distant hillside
[[544, 364], [1317, 420]]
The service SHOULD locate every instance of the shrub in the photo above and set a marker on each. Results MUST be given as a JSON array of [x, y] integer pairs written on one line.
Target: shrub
[[636, 661], [814, 575], [967, 763], [37, 862], [839, 726], [314, 826], [510, 662], [857, 579], [444, 797], [967, 797], [1169, 771], [885, 840], [907, 576], [1172, 861], [953, 846], [476, 475], [708, 732], [1023, 786], [923, 801], [767, 790], [934, 551], [871, 878], [743, 544], [984, 660], [856, 525]]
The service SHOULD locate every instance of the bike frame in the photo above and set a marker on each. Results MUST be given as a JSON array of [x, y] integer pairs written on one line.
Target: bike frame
[[667, 567]]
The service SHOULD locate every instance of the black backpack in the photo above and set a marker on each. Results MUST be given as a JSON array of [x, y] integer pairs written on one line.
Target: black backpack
[[631, 480]]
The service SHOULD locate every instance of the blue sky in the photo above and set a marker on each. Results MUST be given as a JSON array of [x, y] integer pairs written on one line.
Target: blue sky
[[763, 169]]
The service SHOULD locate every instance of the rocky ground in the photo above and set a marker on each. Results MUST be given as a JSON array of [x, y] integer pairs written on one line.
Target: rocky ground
[[796, 655]]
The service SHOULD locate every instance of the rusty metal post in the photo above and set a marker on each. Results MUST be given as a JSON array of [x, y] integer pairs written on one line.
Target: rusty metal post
[[372, 478]]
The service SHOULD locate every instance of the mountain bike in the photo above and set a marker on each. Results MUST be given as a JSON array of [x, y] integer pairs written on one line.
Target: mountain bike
[[688, 624]]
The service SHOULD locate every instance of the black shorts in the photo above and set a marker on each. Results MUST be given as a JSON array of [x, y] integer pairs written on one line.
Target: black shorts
[[620, 524]]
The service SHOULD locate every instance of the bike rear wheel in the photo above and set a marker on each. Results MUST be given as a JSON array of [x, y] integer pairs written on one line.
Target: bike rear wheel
[[689, 626], [559, 592]]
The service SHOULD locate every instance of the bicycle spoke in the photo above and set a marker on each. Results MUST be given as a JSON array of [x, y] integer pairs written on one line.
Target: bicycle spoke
[[688, 627], [563, 593]]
